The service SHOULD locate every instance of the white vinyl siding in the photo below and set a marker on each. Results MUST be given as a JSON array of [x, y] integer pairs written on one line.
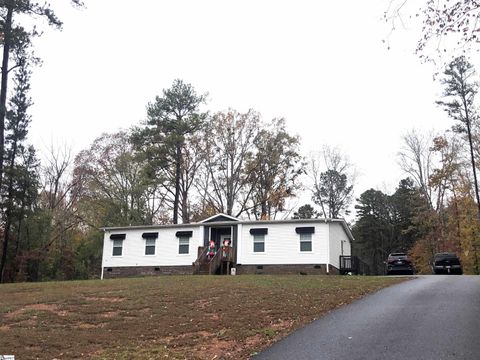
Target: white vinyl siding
[[338, 236], [259, 243], [166, 248], [305, 242], [282, 245]]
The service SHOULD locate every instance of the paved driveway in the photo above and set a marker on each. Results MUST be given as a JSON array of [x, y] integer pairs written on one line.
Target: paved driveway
[[431, 317]]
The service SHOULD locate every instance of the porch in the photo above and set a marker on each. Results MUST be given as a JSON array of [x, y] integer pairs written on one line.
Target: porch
[[219, 251]]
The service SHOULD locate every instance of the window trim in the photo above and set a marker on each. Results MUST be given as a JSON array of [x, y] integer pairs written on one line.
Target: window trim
[[114, 246], [262, 236], [309, 241], [147, 239], [187, 244]]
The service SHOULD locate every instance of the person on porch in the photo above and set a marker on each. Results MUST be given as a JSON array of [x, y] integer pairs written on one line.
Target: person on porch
[[211, 250], [225, 247]]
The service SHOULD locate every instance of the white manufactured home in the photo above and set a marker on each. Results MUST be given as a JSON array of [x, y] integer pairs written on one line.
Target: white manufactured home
[[223, 244]]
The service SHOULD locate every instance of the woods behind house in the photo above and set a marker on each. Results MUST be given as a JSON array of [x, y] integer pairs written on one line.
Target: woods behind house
[[183, 163]]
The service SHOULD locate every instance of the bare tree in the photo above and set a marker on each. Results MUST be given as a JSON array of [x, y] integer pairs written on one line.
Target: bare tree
[[415, 158], [445, 26], [333, 177], [59, 195], [276, 168], [226, 180], [119, 181], [445, 177]]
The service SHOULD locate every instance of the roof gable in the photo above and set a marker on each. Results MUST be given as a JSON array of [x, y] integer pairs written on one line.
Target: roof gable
[[219, 218]]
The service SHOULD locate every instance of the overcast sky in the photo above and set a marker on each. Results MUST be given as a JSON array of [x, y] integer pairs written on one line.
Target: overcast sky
[[321, 65]]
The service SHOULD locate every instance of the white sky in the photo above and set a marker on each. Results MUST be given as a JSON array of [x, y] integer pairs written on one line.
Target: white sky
[[321, 65]]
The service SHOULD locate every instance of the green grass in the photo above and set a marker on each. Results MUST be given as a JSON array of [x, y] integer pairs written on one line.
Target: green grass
[[169, 317]]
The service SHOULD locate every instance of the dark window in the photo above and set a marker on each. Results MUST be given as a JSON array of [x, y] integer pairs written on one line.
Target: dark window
[[259, 243], [117, 247], [305, 241], [150, 246], [183, 245]]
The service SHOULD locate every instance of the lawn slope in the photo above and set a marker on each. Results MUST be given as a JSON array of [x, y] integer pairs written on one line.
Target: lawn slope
[[170, 317]]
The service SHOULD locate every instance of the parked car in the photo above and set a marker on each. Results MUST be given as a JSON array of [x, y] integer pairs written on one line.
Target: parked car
[[447, 263], [399, 263]]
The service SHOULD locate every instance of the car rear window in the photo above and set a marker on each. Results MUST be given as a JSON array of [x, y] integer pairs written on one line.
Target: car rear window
[[398, 256], [445, 256]]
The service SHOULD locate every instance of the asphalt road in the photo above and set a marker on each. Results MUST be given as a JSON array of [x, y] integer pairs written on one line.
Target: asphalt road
[[431, 317]]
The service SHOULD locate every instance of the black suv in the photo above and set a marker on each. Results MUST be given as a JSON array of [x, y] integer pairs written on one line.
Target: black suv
[[398, 263], [446, 263]]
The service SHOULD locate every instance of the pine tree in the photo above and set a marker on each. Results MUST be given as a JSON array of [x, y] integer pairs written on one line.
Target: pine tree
[[459, 93]]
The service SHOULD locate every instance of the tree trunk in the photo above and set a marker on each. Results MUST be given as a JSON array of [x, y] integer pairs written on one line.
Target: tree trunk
[[176, 202], [6, 239], [3, 89], [264, 211], [8, 212], [185, 214], [473, 166], [470, 143], [3, 112]]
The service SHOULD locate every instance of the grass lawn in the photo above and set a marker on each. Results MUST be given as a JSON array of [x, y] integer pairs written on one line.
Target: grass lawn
[[169, 317]]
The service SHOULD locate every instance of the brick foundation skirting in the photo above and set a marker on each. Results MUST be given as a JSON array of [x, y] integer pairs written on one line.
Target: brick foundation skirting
[[295, 269], [132, 271], [304, 269]]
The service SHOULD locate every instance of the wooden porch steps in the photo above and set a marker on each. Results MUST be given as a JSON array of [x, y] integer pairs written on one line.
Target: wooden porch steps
[[219, 264]]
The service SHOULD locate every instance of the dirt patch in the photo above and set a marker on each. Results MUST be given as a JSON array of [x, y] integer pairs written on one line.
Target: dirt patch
[[63, 313], [27, 323], [34, 349], [110, 314], [281, 324], [105, 299], [4, 328], [89, 326], [202, 303], [217, 349], [212, 316], [37, 307], [253, 341], [198, 334]]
